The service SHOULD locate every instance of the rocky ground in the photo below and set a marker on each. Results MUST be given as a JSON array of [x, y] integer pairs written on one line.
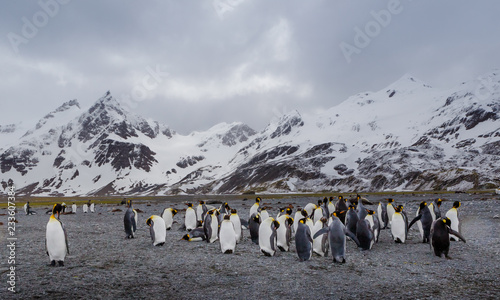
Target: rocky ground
[[103, 264]]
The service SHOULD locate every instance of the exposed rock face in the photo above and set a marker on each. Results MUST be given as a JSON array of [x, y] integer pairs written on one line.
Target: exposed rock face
[[407, 136]]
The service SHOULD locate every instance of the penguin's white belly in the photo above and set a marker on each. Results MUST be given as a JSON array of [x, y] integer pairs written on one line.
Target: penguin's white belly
[[215, 227], [398, 228], [190, 220], [56, 243], [237, 226], [167, 218], [92, 207], [227, 237], [317, 242], [453, 216], [160, 231], [420, 228], [73, 208], [85, 208], [254, 209], [265, 239]]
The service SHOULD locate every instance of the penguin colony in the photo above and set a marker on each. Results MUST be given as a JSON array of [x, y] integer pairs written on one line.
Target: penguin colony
[[320, 228]]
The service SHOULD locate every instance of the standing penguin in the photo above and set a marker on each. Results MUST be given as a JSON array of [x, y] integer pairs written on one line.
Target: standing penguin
[[331, 206], [424, 220], [296, 219], [92, 207], [337, 232], [364, 234], [227, 236], [320, 244], [303, 241], [85, 208], [168, 216], [383, 219], [268, 236], [399, 228], [56, 239], [263, 213], [211, 226], [341, 205], [318, 213], [235, 219], [390, 210], [190, 218], [201, 209], [253, 226], [437, 207], [129, 221], [73, 208], [440, 236], [374, 224], [351, 220], [157, 230], [309, 208], [284, 232], [255, 207], [452, 214]]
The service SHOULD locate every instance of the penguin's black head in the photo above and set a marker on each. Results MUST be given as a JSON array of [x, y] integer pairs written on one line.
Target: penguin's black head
[[289, 221], [352, 206], [390, 200], [189, 204], [210, 212], [129, 203], [174, 211], [358, 196], [202, 202], [340, 197], [56, 209], [304, 213], [256, 218], [323, 220], [370, 212], [456, 204], [320, 202], [257, 199], [149, 221], [400, 208], [438, 202], [423, 204], [185, 237], [226, 217], [397, 209], [233, 211], [447, 221], [288, 211], [325, 200], [331, 198]]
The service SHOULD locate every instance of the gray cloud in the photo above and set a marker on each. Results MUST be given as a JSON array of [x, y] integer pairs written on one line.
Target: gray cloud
[[247, 60]]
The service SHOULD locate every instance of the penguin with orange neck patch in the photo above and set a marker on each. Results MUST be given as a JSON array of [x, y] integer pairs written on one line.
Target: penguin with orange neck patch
[[56, 239]]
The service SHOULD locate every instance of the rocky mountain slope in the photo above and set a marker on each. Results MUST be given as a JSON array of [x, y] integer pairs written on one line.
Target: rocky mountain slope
[[407, 136]]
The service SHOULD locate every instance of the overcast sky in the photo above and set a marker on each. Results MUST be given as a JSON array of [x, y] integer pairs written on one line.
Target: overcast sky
[[192, 64]]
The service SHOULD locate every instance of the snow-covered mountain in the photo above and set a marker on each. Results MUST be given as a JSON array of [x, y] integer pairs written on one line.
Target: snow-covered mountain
[[407, 136]]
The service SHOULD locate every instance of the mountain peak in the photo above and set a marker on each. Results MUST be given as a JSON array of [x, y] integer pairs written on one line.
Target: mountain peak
[[408, 82]]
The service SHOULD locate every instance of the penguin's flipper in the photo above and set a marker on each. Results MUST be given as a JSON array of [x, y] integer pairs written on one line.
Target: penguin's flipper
[[152, 231], [273, 240], [65, 239], [414, 220], [320, 232], [352, 236], [244, 222], [451, 231]]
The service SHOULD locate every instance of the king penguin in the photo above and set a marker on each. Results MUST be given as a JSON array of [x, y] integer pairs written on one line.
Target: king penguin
[[201, 210], [320, 244], [452, 214], [168, 216], [235, 219], [374, 224], [303, 241], [227, 236], [56, 239], [190, 218], [211, 226], [263, 213], [73, 208], [129, 221], [92, 207], [337, 232], [255, 207], [364, 234], [382, 215], [284, 232], [157, 230], [390, 210], [424, 220], [399, 227], [351, 220], [253, 226], [195, 235], [341, 205], [268, 236], [440, 236]]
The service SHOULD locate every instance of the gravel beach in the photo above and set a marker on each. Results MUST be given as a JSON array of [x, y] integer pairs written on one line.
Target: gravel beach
[[102, 264]]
